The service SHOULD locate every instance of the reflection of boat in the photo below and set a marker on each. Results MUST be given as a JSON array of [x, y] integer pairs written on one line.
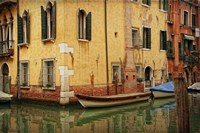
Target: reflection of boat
[[113, 100], [194, 87], [164, 103], [5, 98], [163, 90], [89, 115]]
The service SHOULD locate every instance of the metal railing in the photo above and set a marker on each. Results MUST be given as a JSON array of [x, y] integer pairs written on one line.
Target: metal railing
[[7, 48]]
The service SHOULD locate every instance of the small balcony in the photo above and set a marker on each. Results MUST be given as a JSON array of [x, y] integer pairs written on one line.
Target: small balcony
[[6, 48], [7, 3]]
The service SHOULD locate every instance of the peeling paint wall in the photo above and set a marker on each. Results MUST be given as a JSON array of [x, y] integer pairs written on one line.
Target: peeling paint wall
[[151, 17]]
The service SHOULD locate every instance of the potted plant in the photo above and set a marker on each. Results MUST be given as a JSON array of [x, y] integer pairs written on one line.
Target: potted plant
[[140, 80], [48, 85]]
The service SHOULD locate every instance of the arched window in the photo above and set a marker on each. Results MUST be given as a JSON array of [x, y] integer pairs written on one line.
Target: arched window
[[24, 28], [84, 25], [48, 17]]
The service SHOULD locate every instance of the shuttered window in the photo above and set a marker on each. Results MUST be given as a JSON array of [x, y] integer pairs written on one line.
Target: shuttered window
[[84, 25], [146, 2], [147, 38], [24, 28], [164, 4], [163, 40], [48, 21], [20, 29], [193, 20], [181, 50]]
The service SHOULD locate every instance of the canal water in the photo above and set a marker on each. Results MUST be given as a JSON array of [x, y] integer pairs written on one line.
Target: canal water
[[158, 116]]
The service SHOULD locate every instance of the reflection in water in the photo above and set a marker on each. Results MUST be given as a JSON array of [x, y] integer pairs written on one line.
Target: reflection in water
[[159, 117]]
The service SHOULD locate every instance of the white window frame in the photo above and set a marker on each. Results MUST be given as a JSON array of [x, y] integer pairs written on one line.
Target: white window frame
[[22, 74], [45, 82]]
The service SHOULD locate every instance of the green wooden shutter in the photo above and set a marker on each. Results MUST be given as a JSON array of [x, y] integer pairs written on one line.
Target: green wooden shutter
[[54, 20], [88, 26], [166, 4], [182, 48], [149, 38], [161, 40], [164, 40], [44, 23], [20, 29], [144, 37], [149, 2], [28, 28], [79, 12], [160, 2], [193, 20]]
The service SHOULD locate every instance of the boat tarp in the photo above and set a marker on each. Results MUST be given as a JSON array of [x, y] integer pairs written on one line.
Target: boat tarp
[[166, 87], [195, 86]]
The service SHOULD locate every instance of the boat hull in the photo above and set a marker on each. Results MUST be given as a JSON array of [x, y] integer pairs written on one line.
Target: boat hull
[[107, 101], [159, 94], [4, 101]]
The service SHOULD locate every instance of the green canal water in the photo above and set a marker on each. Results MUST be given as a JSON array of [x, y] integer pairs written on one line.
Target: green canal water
[[159, 116]]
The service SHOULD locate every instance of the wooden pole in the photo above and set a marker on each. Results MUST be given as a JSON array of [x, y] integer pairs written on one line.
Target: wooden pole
[[182, 106]]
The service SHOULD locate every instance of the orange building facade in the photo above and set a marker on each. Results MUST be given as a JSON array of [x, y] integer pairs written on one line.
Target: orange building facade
[[183, 38]]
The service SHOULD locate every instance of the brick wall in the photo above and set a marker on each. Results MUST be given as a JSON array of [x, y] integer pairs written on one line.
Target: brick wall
[[37, 93]]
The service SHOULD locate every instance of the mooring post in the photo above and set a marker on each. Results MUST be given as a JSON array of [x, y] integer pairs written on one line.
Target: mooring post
[[182, 106]]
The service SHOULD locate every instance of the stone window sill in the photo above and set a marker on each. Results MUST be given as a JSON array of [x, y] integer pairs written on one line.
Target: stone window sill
[[48, 40], [49, 88]]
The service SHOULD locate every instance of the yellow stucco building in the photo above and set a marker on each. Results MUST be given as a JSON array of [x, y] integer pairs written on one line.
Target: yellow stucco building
[[55, 48], [65, 46], [149, 31]]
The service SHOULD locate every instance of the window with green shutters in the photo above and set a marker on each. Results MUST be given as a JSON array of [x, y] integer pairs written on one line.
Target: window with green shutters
[[170, 50], [163, 40], [84, 25], [48, 21], [193, 20], [146, 2], [181, 50], [146, 38], [23, 28], [164, 4]]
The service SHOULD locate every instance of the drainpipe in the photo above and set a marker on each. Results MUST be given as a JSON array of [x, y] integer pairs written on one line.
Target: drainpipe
[[18, 81], [106, 46]]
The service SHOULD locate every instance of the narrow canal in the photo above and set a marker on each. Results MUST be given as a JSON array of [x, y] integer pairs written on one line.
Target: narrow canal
[[159, 116]]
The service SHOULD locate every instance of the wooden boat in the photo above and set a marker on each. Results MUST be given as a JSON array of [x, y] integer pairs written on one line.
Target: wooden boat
[[5, 98], [195, 87], [163, 91], [113, 100], [95, 114]]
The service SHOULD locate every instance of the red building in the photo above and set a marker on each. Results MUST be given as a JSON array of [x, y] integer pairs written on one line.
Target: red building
[[184, 38]]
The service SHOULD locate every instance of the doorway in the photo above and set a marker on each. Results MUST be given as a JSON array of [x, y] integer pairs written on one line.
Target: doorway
[[148, 77], [5, 78]]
